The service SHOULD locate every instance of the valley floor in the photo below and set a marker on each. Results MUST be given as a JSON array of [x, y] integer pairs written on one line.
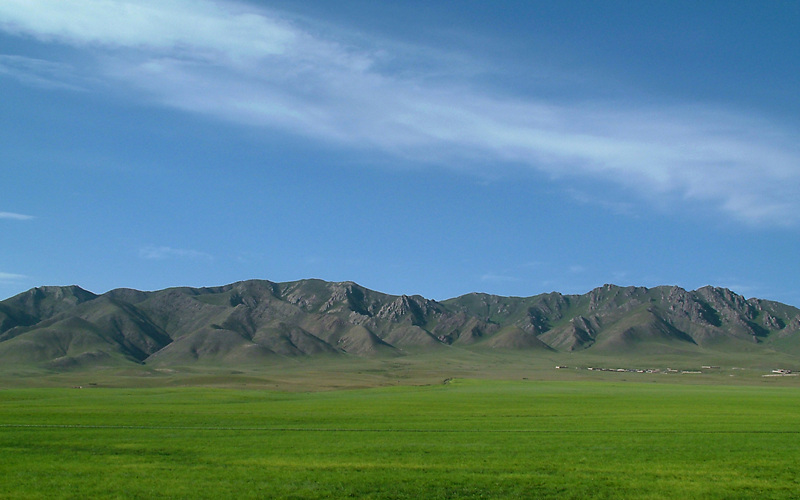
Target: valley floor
[[350, 372], [459, 439]]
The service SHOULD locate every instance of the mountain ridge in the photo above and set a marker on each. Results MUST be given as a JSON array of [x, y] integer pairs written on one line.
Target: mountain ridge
[[258, 321]]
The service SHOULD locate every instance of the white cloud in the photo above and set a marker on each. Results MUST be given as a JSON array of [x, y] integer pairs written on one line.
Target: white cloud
[[199, 28], [15, 216], [39, 72], [11, 278], [251, 66], [163, 252], [611, 204]]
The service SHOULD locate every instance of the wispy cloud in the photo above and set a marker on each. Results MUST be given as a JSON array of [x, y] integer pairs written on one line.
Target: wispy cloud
[[163, 252], [39, 72], [253, 66], [15, 216], [611, 204], [11, 278]]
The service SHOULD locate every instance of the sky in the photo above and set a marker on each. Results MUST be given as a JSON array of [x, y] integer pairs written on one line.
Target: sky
[[417, 147]]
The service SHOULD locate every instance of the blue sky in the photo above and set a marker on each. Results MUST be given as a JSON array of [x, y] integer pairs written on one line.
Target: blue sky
[[433, 148]]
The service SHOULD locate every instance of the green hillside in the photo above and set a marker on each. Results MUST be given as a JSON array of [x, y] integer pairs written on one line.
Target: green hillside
[[260, 322]]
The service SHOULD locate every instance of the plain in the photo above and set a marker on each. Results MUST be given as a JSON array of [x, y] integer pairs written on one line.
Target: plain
[[459, 439]]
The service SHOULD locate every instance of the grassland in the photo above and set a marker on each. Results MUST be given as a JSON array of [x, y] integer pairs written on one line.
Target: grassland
[[422, 368], [460, 439]]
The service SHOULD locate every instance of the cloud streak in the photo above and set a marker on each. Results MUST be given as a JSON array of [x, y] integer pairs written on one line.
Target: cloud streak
[[164, 252], [11, 278], [40, 73], [15, 216], [253, 66]]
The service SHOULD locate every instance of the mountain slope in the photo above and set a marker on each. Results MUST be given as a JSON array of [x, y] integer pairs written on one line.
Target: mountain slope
[[260, 321]]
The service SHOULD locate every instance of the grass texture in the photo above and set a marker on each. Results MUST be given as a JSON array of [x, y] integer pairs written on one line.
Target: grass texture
[[462, 439]]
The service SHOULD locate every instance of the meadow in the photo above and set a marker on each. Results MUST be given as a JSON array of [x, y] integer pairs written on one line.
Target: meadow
[[460, 439]]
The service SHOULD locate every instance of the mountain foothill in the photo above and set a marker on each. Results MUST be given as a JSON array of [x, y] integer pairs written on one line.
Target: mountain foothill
[[259, 321]]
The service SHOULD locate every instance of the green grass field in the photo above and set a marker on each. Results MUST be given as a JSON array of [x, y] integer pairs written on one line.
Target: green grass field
[[463, 439]]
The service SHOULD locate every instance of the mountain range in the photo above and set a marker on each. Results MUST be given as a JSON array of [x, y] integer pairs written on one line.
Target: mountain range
[[256, 321]]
